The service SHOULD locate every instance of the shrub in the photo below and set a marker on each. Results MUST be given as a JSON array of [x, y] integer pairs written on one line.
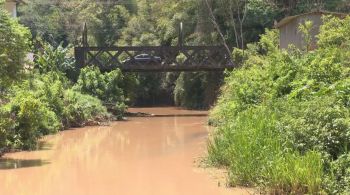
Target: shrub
[[32, 119], [320, 124], [6, 124], [283, 119], [109, 87], [56, 59], [14, 46], [338, 182], [72, 108], [80, 109], [103, 86], [48, 88], [334, 32], [39, 106]]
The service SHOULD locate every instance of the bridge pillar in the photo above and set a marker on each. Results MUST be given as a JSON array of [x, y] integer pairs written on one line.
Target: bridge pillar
[[79, 53]]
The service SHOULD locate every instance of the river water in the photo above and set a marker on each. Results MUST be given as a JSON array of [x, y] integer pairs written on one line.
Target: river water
[[141, 156]]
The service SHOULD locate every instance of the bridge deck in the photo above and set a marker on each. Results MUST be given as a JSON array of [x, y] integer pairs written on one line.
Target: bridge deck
[[155, 58]]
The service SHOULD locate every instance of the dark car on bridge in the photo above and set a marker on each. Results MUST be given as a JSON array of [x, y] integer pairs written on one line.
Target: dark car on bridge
[[143, 59]]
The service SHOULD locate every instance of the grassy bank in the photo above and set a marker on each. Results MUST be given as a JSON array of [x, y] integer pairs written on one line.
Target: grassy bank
[[283, 119]]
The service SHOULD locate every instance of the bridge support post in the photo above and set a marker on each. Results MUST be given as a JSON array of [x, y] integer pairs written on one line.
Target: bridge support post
[[79, 53], [180, 44]]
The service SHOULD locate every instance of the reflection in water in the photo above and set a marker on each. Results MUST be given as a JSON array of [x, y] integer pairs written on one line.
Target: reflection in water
[[20, 163], [148, 156], [44, 145]]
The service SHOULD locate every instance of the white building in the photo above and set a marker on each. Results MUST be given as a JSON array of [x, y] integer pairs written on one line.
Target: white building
[[11, 6]]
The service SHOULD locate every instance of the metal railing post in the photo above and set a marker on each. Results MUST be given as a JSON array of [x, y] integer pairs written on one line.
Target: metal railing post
[[180, 44]]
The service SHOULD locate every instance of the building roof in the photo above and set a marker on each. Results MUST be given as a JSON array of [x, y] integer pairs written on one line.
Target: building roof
[[17, 1], [292, 18]]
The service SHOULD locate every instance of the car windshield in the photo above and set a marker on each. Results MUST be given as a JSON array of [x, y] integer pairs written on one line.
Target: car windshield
[[142, 56]]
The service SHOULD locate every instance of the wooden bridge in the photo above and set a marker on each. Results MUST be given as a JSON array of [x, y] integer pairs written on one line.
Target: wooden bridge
[[154, 58]]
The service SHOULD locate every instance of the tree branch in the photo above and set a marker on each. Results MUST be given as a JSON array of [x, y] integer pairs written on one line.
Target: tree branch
[[213, 19]]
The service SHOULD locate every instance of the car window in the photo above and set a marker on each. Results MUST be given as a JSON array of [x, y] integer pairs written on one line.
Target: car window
[[140, 56]]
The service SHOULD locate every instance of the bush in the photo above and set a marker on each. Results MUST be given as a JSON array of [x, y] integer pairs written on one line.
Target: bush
[[320, 124], [72, 108], [81, 109], [32, 119], [338, 182], [14, 46], [103, 86], [47, 88], [283, 119], [43, 103], [6, 124], [111, 88], [40, 105], [56, 59]]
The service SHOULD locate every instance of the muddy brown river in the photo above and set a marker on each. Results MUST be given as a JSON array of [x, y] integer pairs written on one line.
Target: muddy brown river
[[141, 156]]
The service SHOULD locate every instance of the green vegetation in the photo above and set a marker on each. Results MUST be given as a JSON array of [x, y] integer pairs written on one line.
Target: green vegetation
[[14, 44], [153, 23], [82, 109], [197, 90], [38, 99], [56, 59], [283, 118], [109, 87], [41, 105]]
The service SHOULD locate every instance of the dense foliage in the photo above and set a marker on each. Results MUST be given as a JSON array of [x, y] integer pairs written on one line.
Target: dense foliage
[[40, 106], [40, 102], [283, 119], [14, 45], [197, 90], [109, 87], [151, 22], [63, 21], [57, 59]]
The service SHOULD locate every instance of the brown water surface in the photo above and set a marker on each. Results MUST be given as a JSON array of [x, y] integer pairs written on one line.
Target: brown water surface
[[141, 156]]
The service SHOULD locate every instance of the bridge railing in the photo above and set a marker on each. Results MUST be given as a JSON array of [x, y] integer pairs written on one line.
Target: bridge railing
[[158, 58]]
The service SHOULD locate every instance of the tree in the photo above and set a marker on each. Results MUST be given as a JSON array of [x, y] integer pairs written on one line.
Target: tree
[[63, 21], [141, 28], [57, 21], [111, 22], [234, 18], [14, 45]]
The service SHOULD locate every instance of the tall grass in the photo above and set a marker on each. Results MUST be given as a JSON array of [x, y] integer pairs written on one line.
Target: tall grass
[[253, 149]]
